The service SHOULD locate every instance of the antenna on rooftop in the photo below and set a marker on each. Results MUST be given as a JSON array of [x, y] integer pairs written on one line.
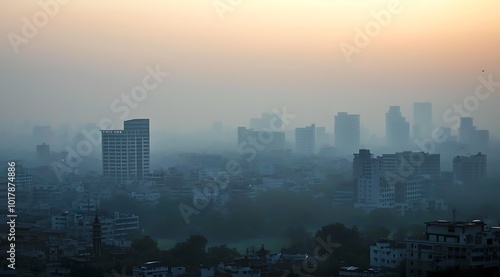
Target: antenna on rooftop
[[454, 214]]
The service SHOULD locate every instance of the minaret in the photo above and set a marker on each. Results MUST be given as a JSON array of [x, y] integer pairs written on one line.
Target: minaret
[[96, 236]]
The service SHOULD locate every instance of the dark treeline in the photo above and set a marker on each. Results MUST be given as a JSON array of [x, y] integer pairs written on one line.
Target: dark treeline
[[272, 213], [297, 216], [301, 218]]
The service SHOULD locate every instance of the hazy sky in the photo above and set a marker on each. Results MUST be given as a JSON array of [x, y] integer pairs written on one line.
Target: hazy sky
[[263, 54]]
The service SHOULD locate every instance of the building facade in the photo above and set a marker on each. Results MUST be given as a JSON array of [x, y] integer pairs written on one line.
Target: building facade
[[471, 138], [305, 140], [126, 153], [470, 170], [251, 141], [422, 120], [397, 129], [387, 254], [450, 247], [347, 133]]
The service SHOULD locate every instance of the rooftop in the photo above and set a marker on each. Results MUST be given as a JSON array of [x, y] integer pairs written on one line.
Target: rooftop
[[455, 223]]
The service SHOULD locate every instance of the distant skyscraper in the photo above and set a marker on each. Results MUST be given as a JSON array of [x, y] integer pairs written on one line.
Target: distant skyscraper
[[397, 129], [323, 139], [466, 130], [482, 140], [468, 135], [422, 120], [260, 141], [305, 140], [126, 153], [266, 122], [43, 152], [347, 132]]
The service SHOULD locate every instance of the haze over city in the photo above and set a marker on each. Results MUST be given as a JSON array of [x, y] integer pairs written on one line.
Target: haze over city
[[261, 56], [250, 138]]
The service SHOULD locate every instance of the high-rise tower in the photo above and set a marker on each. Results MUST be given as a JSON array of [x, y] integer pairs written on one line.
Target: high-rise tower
[[126, 153]]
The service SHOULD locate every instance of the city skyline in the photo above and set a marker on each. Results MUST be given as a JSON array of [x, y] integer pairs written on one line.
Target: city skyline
[[261, 56], [238, 138]]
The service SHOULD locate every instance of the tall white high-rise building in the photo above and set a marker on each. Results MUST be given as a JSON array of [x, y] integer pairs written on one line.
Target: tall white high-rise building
[[126, 153]]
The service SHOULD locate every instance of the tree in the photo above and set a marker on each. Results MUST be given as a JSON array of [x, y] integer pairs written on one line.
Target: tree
[[121, 203], [296, 234], [191, 252], [349, 248], [146, 247], [383, 217], [219, 254], [374, 233], [400, 234]]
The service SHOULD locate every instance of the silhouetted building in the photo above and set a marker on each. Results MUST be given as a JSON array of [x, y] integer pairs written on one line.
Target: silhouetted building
[[347, 132], [265, 141], [266, 122], [482, 140], [469, 136], [43, 152], [397, 129], [466, 130], [422, 120], [470, 170], [361, 163], [305, 140], [323, 139], [126, 153]]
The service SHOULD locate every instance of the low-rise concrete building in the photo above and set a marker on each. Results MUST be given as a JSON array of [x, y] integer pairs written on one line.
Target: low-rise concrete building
[[387, 254], [453, 246]]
